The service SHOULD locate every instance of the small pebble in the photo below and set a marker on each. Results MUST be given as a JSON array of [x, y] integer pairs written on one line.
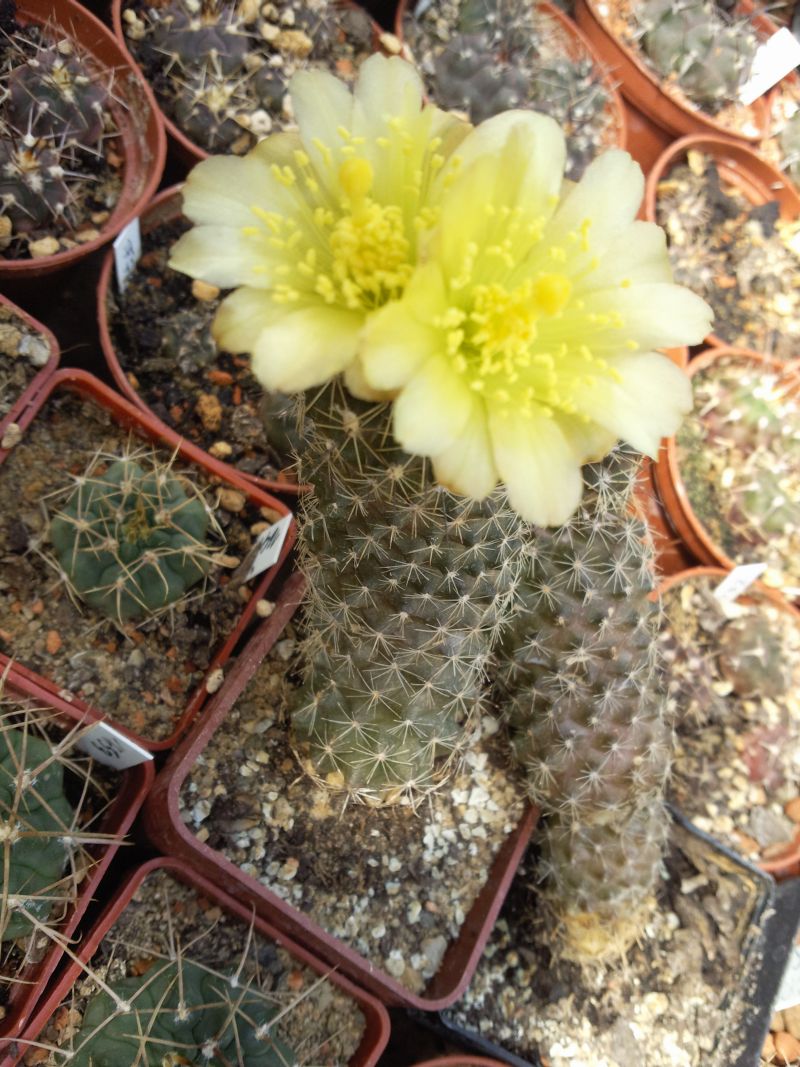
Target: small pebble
[[214, 680], [220, 450], [264, 608], [787, 1048], [232, 499], [203, 291], [45, 246], [12, 435]]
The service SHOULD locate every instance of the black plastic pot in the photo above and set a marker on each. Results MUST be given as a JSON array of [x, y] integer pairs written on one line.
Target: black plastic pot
[[773, 920]]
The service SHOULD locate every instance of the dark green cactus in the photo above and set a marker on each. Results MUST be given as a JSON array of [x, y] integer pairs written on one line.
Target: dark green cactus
[[408, 587], [35, 819], [132, 539], [214, 36], [580, 687], [180, 1013], [33, 190], [710, 56], [753, 657], [56, 96]]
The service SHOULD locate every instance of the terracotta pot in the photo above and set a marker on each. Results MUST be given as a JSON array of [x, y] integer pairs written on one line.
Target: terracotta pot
[[142, 137], [579, 47], [646, 141], [126, 415], [643, 88], [163, 208], [189, 152], [168, 833], [116, 822], [36, 383], [671, 490], [738, 166], [376, 1032], [787, 864]]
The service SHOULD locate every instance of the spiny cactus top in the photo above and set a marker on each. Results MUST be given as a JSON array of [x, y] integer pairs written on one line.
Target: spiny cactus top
[[132, 539], [180, 1013], [581, 689], [35, 820]]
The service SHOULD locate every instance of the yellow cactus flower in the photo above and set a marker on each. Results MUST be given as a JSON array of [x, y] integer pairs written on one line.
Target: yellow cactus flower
[[524, 346], [316, 229]]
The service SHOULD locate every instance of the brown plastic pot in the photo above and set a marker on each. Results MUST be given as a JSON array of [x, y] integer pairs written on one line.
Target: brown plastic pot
[[643, 88], [187, 150], [672, 493], [376, 1019], [133, 106], [163, 208], [787, 864], [116, 822], [42, 374], [579, 46], [738, 166], [167, 832], [126, 415]]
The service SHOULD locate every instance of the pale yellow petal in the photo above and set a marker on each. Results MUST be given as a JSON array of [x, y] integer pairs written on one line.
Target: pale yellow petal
[[306, 347], [539, 466], [467, 466], [654, 315], [603, 203], [637, 256], [393, 345], [322, 106], [432, 409], [221, 190], [647, 403], [357, 384], [242, 317], [222, 256], [386, 86]]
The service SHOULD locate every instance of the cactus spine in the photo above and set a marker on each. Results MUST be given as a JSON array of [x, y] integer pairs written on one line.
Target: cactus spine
[[408, 589], [132, 537], [581, 690]]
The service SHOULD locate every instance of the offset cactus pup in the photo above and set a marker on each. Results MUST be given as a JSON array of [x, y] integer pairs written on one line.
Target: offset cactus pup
[[149, 674], [706, 944], [220, 69], [729, 480], [75, 814], [732, 671], [158, 345], [695, 38], [237, 991], [82, 143], [358, 890], [484, 56], [731, 222], [29, 354]]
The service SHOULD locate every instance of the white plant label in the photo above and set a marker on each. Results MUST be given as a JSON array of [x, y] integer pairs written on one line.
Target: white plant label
[[267, 547], [741, 578], [127, 250], [111, 748], [774, 59], [788, 994]]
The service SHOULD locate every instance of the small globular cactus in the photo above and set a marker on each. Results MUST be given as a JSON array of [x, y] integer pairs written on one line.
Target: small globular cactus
[[504, 54], [54, 95], [131, 538], [180, 1012], [710, 55], [33, 189], [35, 826]]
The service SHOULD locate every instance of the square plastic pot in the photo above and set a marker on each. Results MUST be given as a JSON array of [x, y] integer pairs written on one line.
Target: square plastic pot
[[166, 830], [376, 1031], [115, 823], [129, 417]]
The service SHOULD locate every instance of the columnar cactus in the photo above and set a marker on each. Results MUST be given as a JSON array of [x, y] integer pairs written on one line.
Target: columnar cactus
[[408, 588], [131, 538], [581, 689], [36, 820], [710, 56], [180, 1012]]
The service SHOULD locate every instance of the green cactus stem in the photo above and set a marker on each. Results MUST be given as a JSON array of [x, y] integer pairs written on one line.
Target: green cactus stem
[[180, 1012], [581, 690], [35, 821], [131, 538]]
